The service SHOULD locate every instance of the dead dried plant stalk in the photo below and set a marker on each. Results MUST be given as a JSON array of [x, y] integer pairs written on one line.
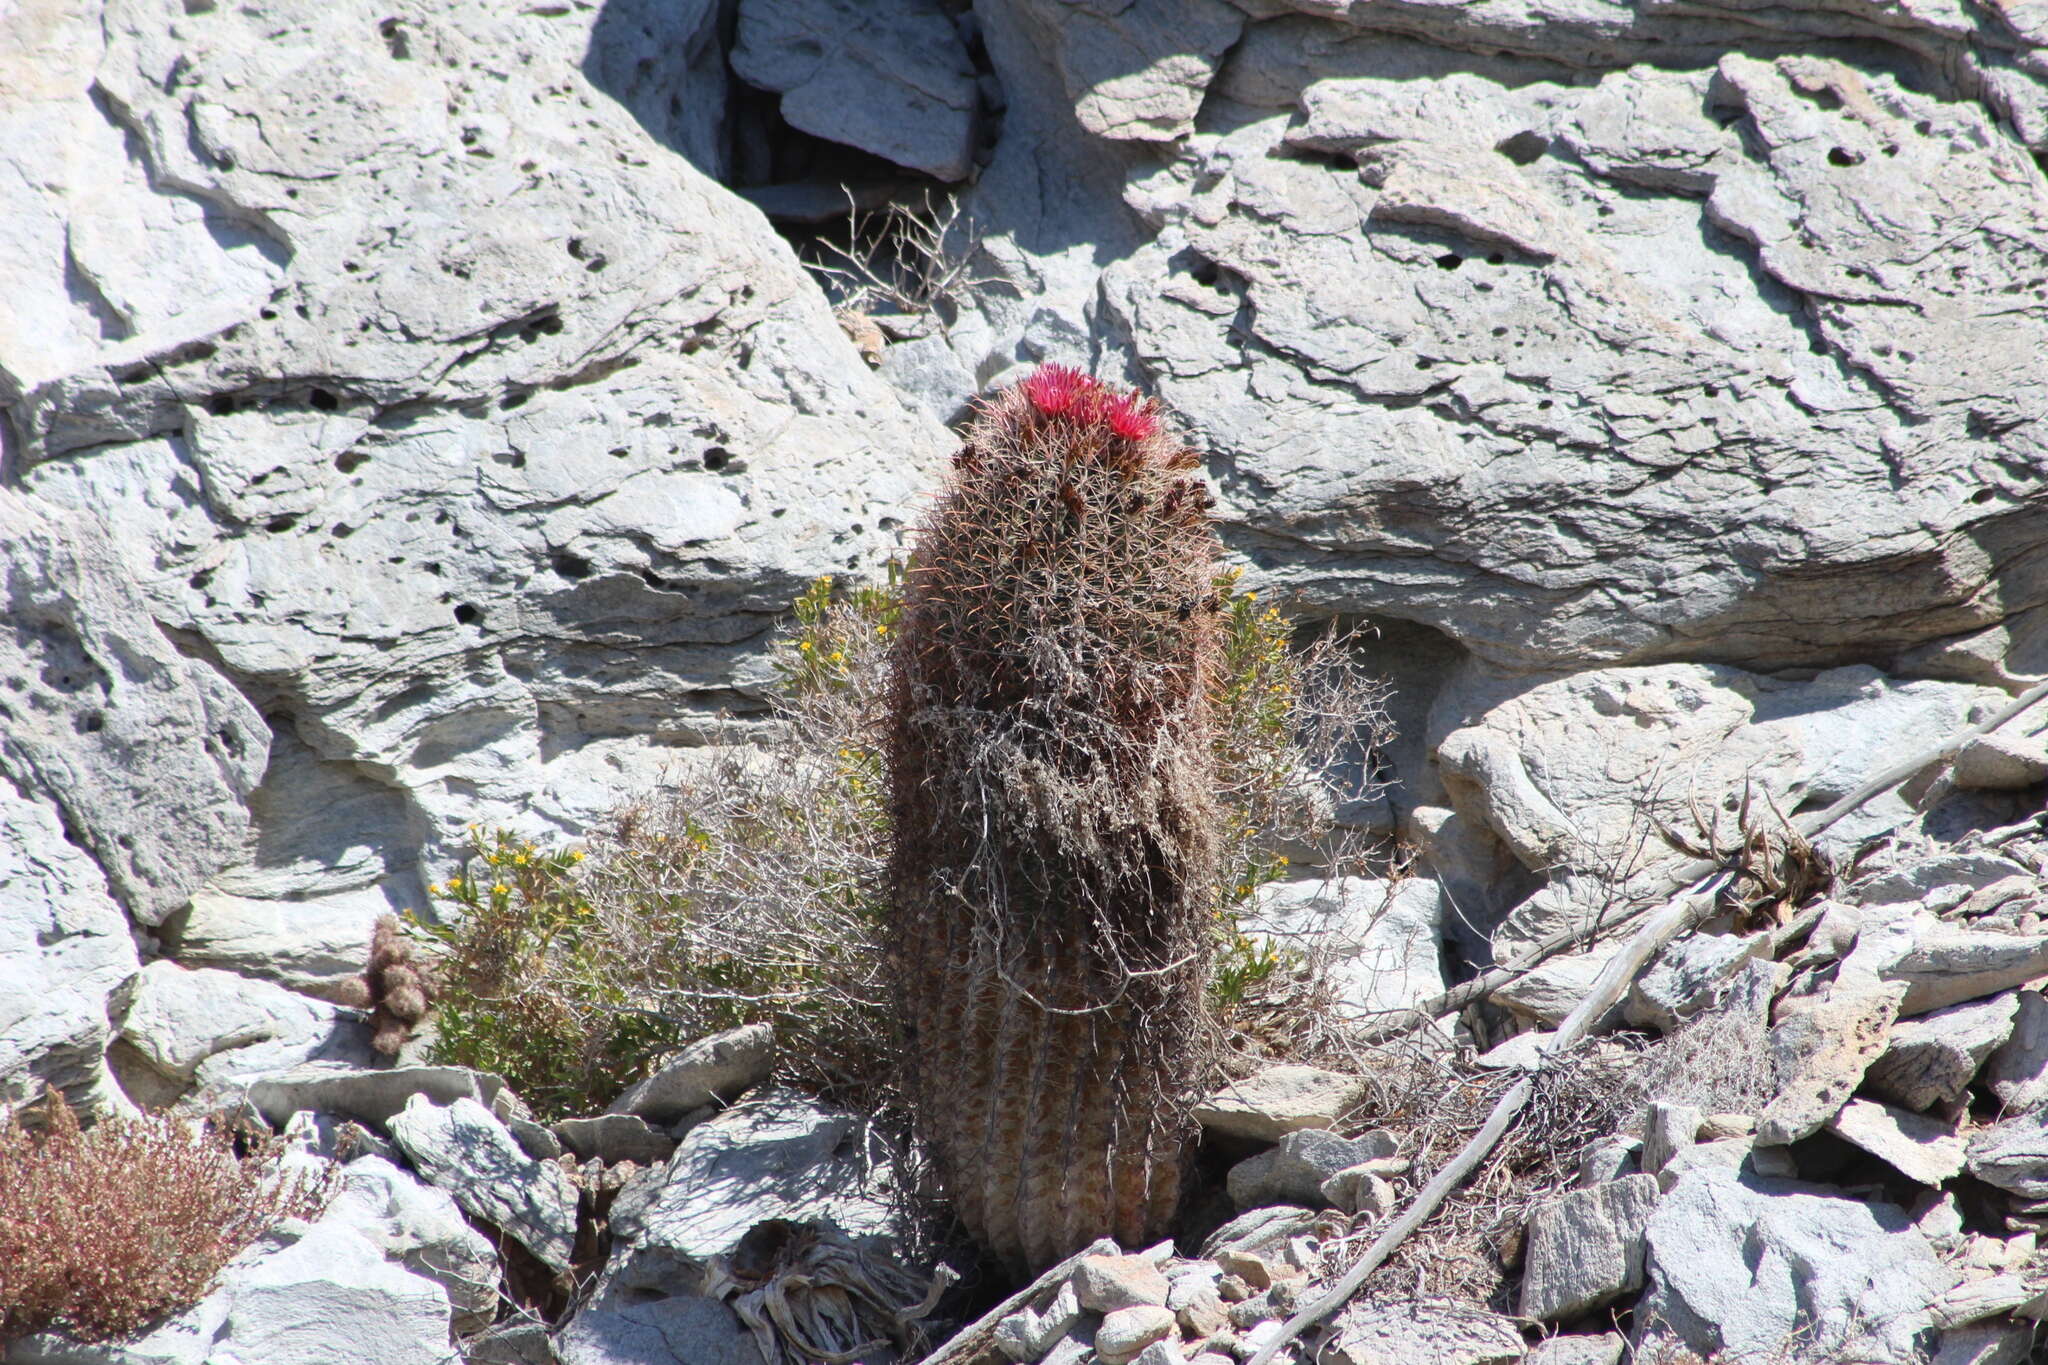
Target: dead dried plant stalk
[[103, 1231], [909, 257]]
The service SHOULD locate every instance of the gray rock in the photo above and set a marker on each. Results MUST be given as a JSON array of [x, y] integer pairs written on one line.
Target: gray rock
[[1668, 1129], [1611, 1158], [1989, 1345], [2013, 1154], [216, 1029], [926, 372], [421, 1228], [777, 1154], [1163, 1352], [890, 78], [1685, 978], [615, 1137], [2018, 1070], [1381, 942], [1359, 1189], [302, 1295], [683, 1329], [1276, 1100], [719, 1067], [64, 949], [1914, 1145], [1604, 1349], [1947, 967], [1294, 1171], [1400, 1334], [1820, 1057], [1103, 1284], [512, 1343], [398, 516], [151, 755], [1937, 881], [1586, 1249], [1573, 810], [1547, 994], [1135, 72], [1932, 1060], [311, 946], [372, 1096], [1487, 252], [1742, 1266], [1127, 1331], [464, 1149], [2001, 761]]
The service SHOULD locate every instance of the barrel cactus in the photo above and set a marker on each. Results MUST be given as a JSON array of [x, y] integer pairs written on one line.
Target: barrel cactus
[[1054, 856]]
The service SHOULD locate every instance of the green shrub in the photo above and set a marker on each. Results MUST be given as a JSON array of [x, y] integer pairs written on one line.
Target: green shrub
[[105, 1230], [749, 888]]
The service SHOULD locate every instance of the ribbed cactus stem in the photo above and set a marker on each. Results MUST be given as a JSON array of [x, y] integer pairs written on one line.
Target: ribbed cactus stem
[[1054, 855]]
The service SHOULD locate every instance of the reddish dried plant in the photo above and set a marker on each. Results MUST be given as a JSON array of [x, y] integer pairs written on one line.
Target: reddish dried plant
[[104, 1230]]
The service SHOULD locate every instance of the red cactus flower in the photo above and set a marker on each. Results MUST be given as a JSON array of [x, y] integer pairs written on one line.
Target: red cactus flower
[[1128, 415], [1056, 389]]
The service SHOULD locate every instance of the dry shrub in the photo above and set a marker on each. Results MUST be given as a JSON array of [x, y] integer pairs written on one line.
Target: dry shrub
[[104, 1230], [749, 888]]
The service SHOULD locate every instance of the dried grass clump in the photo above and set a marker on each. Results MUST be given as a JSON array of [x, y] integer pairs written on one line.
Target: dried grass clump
[[103, 1231]]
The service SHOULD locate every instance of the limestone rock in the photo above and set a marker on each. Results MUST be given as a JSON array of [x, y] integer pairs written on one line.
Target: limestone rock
[[2013, 1154], [777, 1154], [464, 1149], [1522, 764], [1820, 1058], [302, 1295], [150, 754], [1586, 1249], [1685, 978], [2018, 1070], [1916, 1146], [1294, 1171], [711, 1069], [214, 1028], [454, 487], [2001, 761], [311, 946], [1604, 1349], [1549, 993], [1276, 1100], [1127, 1331], [421, 1228], [1739, 1266], [680, 1328], [1946, 967], [615, 1137], [1933, 1059], [890, 78], [1104, 1284], [1399, 1334], [1544, 292], [1668, 1130], [64, 950], [372, 1096], [1381, 941]]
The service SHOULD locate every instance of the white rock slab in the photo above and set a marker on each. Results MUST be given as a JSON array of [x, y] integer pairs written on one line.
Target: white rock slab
[[1916, 1146], [463, 1149]]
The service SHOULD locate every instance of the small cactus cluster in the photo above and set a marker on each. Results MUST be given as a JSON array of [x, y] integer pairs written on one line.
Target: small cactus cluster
[[1054, 854], [397, 987]]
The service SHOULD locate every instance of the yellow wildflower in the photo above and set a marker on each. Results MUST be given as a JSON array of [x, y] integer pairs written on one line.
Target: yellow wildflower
[[500, 889]]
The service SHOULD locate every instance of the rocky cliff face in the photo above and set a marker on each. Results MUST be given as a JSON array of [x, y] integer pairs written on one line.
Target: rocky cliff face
[[406, 419]]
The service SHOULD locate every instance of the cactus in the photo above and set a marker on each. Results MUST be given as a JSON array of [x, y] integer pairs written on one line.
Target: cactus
[[398, 987], [1054, 856]]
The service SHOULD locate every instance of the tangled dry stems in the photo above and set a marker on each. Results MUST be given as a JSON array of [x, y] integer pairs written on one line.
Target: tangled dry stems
[[103, 1231]]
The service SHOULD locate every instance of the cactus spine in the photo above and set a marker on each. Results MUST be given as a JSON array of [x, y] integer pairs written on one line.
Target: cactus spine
[[1052, 801]]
